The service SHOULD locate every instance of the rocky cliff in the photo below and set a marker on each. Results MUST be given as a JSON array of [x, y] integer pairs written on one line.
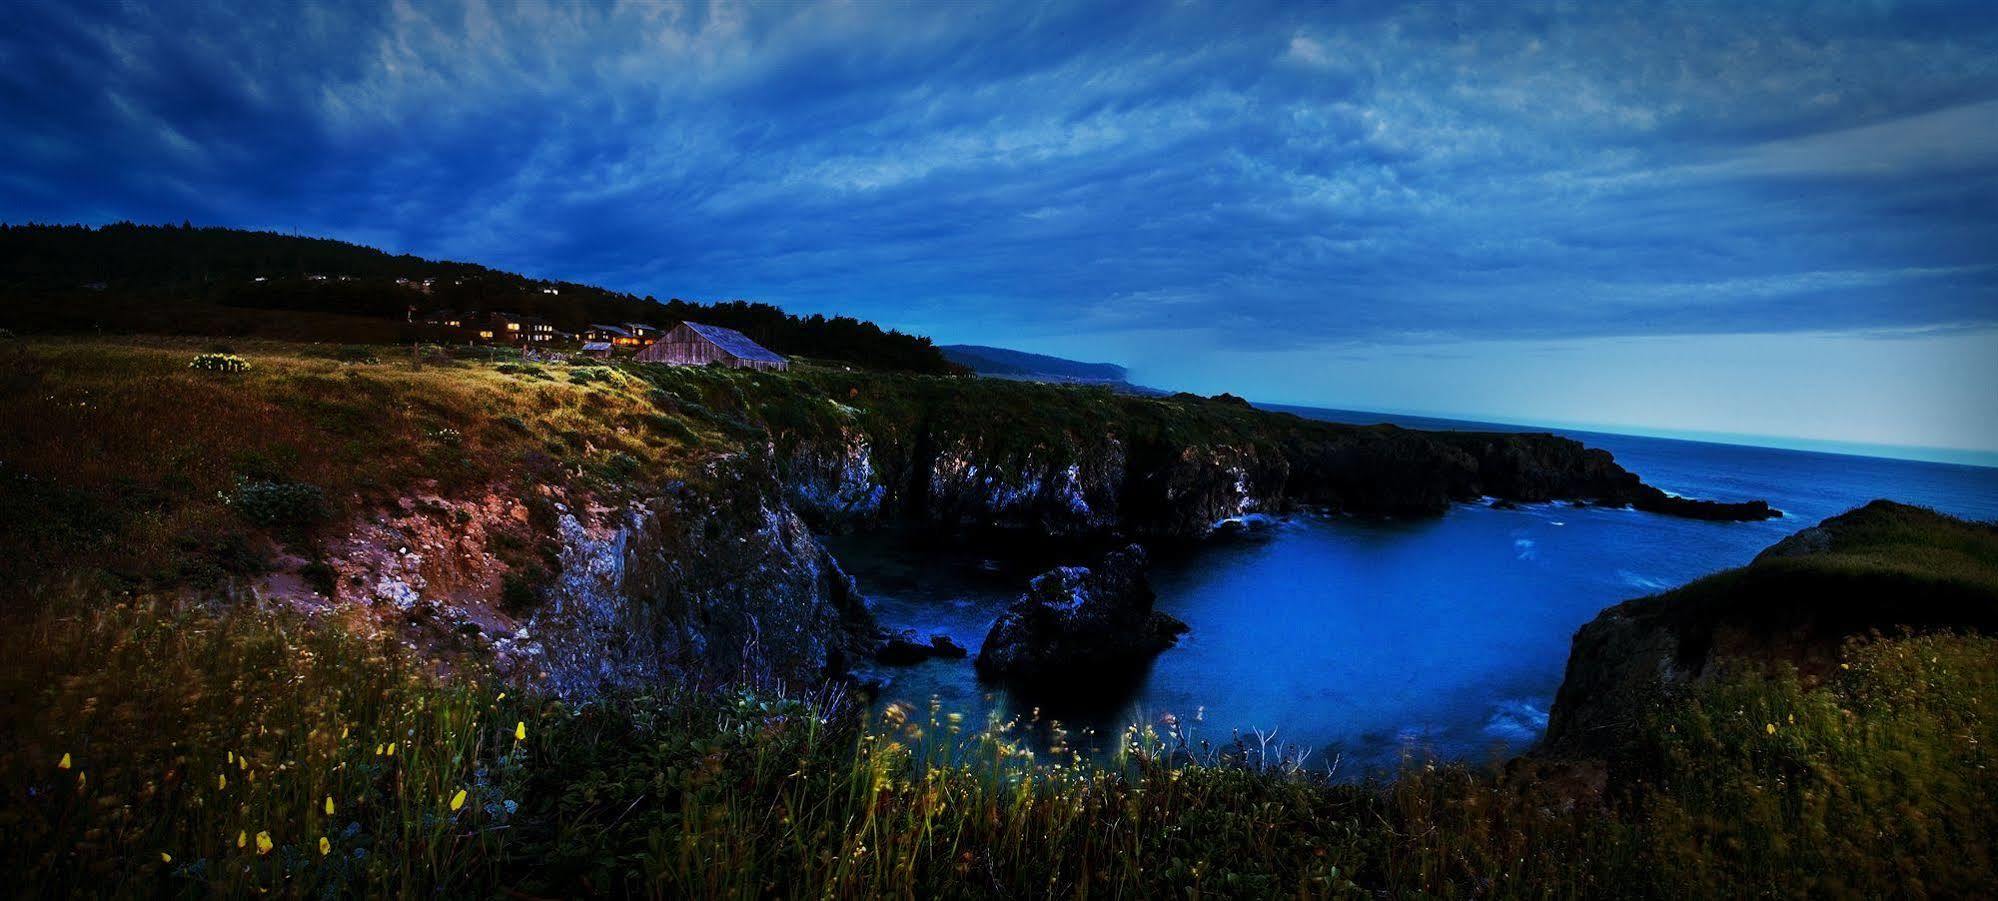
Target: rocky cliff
[[1078, 462], [722, 574], [1884, 567]]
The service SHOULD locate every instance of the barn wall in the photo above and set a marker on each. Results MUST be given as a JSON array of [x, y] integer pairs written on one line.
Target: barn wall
[[680, 346]]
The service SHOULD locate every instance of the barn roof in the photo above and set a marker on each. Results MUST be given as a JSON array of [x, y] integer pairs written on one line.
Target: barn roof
[[596, 345], [736, 343]]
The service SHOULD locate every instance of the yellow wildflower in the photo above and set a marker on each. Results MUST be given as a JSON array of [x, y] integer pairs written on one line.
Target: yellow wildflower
[[329, 805], [81, 778], [264, 843], [502, 697], [520, 731], [165, 857], [1769, 728], [232, 757], [221, 781], [343, 732], [325, 846], [458, 800], [63, 764], [391, 749], [242, 838]]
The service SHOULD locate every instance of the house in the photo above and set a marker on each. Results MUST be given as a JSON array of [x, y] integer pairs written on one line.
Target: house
[[597, 349], [509, 327], [694, 344], [537, 329], [646, 334], [611, 333], [444, 319]]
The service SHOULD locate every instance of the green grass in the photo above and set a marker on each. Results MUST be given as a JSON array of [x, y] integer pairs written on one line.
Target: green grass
[[1877, 782]]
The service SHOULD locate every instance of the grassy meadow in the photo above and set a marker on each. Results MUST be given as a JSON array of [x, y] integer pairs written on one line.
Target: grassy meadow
[[195, 751]]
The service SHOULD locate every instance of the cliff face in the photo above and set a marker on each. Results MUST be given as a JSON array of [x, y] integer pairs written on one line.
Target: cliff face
[[1882, 568], [713, 578], [1079, 464]]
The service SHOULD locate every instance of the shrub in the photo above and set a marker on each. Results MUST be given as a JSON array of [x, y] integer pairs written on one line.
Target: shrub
[[518, 594], [219, 362], [320, 577], [277, 503], [355, 353]]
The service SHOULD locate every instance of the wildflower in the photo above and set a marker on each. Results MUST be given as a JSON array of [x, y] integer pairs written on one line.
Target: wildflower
[[232, 757], [502, 697], [343, 732], [391, 749], [325, 846], [221, 781], [63, 764], [264, 843], [329, 805], [242, 838], [520, 731], [1769, 728], [458, 800], [165, 857]]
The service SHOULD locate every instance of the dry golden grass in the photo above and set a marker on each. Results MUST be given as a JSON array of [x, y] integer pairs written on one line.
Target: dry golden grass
[[122, 457]]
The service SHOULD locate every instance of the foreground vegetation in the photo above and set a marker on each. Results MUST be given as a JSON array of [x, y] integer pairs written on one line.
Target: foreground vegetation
[[197, 751]]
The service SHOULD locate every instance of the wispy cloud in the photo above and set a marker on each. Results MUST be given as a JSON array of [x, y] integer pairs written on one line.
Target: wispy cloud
[[1264, 176]]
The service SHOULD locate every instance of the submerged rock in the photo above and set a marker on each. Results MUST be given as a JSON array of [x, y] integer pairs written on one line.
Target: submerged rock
[[1078, 621], [902, 649]]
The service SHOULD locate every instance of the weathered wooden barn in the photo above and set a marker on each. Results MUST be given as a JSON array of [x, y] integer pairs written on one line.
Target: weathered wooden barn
[[694, 344]]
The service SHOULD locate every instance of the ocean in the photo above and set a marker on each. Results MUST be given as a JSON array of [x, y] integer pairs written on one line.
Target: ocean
[[1365, 640]]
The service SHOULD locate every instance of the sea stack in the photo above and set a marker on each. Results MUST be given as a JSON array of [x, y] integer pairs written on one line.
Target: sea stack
[[1079, 622]]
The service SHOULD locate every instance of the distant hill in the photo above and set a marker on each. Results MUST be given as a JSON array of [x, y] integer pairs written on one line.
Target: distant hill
[[128, 278], [1018, 364]]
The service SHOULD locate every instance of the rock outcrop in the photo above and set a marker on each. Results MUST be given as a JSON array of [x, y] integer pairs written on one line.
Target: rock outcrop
[[902, 649], [1078, 622], [1173, 470], [1884, 568]]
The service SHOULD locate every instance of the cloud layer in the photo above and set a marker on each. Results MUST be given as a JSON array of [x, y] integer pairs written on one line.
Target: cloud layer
[[1256, 176]]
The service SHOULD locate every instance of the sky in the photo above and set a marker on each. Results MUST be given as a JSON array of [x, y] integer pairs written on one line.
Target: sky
[[1756, 219]]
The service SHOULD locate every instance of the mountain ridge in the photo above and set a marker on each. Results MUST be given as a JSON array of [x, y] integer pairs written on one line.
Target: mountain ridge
[[1004, 362]]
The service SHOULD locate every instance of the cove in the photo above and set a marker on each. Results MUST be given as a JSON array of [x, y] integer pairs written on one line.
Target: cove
[[1365, 639]]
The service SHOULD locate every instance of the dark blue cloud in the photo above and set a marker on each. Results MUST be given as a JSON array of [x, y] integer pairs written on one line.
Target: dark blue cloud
[[1258, 174]]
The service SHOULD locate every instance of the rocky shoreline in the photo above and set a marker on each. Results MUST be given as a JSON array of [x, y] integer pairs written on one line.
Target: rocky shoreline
[[721, 575]]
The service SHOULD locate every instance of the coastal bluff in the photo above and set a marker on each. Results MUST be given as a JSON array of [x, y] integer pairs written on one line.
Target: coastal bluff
[[1882, 569]]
